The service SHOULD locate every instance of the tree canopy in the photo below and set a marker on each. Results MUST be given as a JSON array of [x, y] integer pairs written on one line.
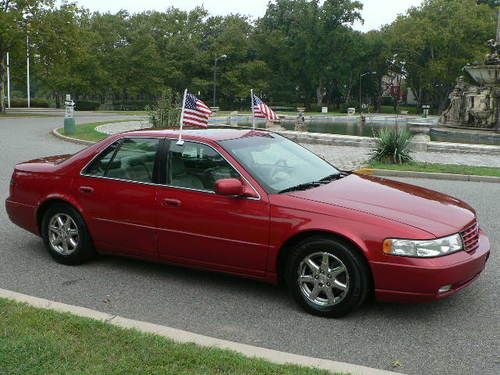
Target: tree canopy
[[301, 52]]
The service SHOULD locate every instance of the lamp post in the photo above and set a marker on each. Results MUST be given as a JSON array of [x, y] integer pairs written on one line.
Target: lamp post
[[221, 57], [360, 90], [28, 95], [8, 80]]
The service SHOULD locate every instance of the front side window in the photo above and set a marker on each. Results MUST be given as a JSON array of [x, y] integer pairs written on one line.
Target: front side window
[[130, 159], [276, 162], [196, 166]]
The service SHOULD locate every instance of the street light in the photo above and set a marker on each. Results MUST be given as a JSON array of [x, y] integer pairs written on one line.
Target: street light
[[221, 57], [360, 92]]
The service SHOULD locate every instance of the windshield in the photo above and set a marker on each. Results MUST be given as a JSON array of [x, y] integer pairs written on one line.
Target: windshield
[[278, 163]]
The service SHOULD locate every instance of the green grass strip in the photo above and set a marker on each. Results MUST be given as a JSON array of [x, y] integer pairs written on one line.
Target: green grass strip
[[441, 168], [38, 341], [87, 132]]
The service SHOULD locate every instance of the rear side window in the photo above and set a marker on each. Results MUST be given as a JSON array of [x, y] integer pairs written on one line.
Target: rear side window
[[130, 159]]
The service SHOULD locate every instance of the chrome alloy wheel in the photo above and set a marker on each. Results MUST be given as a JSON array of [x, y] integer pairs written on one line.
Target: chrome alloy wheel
[[323, 279], [63, 234]]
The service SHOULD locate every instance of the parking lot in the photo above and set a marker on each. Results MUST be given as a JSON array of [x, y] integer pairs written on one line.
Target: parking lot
[[459, 335]]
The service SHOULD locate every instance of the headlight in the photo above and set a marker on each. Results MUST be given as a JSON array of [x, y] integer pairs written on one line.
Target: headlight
[[423, 248]]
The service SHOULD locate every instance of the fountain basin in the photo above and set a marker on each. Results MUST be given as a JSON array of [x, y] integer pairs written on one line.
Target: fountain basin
[[461, 135], [484, 74]]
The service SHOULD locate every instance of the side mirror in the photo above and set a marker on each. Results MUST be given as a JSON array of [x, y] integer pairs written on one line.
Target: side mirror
[[229, 186], [234, 187]]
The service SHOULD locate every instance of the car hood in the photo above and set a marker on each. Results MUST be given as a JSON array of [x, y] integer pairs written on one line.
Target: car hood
[[433, 212]]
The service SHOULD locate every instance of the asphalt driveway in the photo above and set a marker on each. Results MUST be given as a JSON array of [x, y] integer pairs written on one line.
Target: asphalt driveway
[[458, 335]]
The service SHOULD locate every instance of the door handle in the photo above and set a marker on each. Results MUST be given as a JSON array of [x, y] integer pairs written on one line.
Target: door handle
[[172, 202], [86, 189]]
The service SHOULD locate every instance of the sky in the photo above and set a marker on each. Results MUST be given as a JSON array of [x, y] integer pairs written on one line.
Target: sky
[[375, 12]]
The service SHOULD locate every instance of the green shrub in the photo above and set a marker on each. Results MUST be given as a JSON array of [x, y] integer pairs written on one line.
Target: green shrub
[[86, 105], [166, 112], [35, 103], [392, 146]]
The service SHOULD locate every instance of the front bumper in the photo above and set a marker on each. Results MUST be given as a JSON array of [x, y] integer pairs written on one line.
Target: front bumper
[[421, 279]]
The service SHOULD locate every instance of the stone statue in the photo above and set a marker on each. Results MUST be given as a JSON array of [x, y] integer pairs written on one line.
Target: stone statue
[[493, 57]]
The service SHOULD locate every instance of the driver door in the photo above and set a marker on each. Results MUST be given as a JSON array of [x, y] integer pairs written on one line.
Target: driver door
[[201, 228]]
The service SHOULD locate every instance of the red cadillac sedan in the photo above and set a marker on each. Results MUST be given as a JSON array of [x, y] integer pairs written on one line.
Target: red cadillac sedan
[[254, 204]]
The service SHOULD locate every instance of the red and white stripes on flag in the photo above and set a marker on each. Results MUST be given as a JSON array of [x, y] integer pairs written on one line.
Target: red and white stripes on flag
[[196, 113], [261, 110]]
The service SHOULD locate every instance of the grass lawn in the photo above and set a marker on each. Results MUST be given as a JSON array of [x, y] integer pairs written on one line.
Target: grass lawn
[[87, 132], [141, 113], [443, 168], [39, 341], [21, 114]]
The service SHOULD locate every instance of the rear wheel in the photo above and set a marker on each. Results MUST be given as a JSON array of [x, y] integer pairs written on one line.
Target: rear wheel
[[327, 277], [65, 235]]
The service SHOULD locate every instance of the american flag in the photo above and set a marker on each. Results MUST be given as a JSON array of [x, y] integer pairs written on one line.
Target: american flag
[[196, 112], [261, 110]]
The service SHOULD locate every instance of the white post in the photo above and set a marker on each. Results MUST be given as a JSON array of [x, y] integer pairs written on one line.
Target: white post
[[180, 142], [8, 81], [253, 113], [28, 95]]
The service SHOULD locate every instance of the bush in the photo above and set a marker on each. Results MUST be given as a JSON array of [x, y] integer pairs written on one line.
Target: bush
[[392, 146], [86, 105], [166, 112], [35, 103]]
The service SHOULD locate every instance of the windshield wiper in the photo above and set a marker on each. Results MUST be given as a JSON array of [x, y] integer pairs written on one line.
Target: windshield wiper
[[330, 178], [305, 186]]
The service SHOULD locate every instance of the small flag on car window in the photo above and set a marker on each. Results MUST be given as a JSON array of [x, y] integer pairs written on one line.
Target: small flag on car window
[[261, 109], [194, 112]]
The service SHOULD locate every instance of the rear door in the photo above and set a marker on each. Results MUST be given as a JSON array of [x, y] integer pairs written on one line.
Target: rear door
[[118, 193], [199, 227]]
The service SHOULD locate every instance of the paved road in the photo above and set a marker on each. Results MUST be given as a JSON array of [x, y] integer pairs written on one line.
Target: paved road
[[459, 335]]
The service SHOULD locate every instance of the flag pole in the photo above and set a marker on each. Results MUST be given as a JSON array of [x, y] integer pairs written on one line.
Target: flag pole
[[180, 142], [253, 113]]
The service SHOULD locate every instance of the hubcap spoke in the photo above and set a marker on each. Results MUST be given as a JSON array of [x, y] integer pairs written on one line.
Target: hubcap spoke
[[307, 279], [340, 286], [329, 295], [325, 263], [315, 292], [313, 266], [338, 270]]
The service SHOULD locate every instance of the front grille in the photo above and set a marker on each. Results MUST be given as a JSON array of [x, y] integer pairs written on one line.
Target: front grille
[[470, 236]]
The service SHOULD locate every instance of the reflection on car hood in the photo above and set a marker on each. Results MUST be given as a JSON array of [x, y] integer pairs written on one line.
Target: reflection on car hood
[[425, 209]]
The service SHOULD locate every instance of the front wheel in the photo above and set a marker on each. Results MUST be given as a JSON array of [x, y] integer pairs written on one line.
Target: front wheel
[[65, 235], [327, 277]]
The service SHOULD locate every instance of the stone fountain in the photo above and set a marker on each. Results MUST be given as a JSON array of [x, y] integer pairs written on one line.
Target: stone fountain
[[473, 115]]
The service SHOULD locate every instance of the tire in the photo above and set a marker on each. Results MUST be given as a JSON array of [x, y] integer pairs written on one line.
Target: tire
[[67, 240], [329, 292]]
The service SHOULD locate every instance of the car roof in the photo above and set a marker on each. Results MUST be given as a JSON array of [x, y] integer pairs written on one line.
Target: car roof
[[197, 134]]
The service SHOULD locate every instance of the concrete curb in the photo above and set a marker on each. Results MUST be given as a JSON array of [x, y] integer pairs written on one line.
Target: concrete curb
[[56, 134], [430, 175], [188, 337]]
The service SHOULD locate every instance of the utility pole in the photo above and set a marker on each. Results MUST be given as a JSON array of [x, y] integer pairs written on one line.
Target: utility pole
[[28, 95], [8, 80]]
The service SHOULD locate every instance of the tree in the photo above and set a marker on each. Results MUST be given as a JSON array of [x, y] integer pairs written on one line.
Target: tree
[[436, 40], [15, 16], [306, 44]]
